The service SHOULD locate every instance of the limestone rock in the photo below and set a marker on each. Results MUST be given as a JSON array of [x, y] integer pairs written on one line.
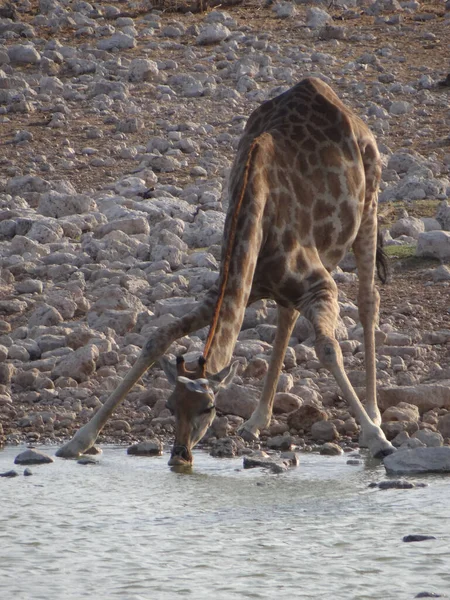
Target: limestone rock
[[284, 402], [324, 431], [79, 365], [237, 400], [434, 244], [419, 460], [212, 34], [32, 457], [424, 396], [306, 416], [402, 412], [23, 54], [152, 447]]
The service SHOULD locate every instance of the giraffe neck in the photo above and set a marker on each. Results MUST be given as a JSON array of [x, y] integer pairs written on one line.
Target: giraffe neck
[[243, 231]]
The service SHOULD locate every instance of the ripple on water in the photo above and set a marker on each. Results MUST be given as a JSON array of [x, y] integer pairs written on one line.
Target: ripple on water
[[129, 528]]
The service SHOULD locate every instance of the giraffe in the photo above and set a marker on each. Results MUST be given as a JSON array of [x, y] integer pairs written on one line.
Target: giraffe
[[303, 189]]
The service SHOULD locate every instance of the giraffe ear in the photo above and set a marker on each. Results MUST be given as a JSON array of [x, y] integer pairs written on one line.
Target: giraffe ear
[[169, 369], [195, 385], [225, 377]]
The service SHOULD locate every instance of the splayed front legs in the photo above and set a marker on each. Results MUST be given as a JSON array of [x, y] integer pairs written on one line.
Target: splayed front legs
[[154, 348]]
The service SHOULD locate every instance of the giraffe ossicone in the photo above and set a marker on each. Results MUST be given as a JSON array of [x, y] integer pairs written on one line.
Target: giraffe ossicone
[[303, 190]]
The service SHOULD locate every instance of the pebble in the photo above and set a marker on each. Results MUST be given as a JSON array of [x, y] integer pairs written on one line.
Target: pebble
[[9, 474]]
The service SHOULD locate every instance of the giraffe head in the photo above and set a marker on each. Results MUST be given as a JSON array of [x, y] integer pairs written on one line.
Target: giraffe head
[[193, 404]]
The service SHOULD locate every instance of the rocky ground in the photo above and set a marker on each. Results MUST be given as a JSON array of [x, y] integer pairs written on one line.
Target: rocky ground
[[118, 127]]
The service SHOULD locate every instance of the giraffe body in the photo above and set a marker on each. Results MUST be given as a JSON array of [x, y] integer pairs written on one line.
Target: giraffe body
[[303, 190]]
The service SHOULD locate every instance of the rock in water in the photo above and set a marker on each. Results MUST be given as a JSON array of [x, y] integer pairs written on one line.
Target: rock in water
[[419, 460], [151, 447], [418, 538], [11, 473], [32, 457]]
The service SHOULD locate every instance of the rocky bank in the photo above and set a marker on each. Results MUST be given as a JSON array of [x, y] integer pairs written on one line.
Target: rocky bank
[[118, 127]]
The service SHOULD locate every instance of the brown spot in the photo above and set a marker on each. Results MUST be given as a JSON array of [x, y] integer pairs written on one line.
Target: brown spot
[[292, 289], [354, 178], [321, 210], [317, 134], [302, 189], [318, 120], [348, 223], [335, 256], [298, 131], [331, 156], [302, 263], [274, 268], [308, 145], [304, 221], [323, 236], [334, 185], [334, 134], [289, 240]]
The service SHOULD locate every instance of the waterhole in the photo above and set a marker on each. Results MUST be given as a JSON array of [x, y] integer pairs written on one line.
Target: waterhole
[[129, 528]]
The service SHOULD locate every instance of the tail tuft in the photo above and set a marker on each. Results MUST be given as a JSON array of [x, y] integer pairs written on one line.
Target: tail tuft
[[381, 260]]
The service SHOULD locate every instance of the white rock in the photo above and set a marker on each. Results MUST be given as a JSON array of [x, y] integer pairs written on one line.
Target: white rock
[[237, 400], [400, 107], [424, 396], [79, 365], [213, 34], [284, 10], [45, 232], [316, 17], [117, 40], [130, 186], [54, 204], [431, 439], [23, 54], [434, 244], [142, 69], [419, 460], [407, 226], [45, 315]]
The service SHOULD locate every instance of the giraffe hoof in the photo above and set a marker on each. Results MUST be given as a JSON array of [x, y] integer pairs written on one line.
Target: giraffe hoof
[[248, 435], [383, 452]]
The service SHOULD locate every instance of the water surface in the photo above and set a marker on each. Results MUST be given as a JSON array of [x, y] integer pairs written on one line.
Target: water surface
[[129, 528]]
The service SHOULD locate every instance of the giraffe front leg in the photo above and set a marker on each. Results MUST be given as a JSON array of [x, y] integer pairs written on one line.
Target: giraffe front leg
[[154, 348], [262, 415]]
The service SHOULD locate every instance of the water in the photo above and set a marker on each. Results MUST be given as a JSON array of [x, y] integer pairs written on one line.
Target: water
[[129, 528]]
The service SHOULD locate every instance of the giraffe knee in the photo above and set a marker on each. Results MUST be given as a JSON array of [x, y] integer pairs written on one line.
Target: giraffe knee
[[328, 352]]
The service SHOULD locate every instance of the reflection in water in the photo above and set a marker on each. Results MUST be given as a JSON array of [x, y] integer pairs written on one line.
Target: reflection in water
[[131, 528]]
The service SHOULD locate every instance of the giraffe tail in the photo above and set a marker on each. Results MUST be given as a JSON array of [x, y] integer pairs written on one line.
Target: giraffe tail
[[249, 189], [381, 260]]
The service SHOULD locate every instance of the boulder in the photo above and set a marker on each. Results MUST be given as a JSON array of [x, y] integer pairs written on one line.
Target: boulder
[[402, 412], [152, 447], [324, 431], [237, 400], [212, 33], [79, 365], [284, 402], [419, 460], [434, 244], [425, 396], [32, 457], [306, 416]]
